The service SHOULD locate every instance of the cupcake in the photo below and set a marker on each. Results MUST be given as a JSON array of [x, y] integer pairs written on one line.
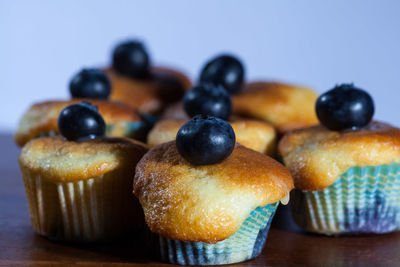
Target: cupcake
[[284, 106], [347, 169], [214, 100], [224, 70], [87, 85], [206, 199], [77, 185], [138, 84]]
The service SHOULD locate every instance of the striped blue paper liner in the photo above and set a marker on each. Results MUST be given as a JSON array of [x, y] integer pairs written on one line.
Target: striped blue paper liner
[[245, 244], [363, 200]]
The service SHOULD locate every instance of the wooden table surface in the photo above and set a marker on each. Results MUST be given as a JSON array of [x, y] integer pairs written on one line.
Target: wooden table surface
[[286, 245]]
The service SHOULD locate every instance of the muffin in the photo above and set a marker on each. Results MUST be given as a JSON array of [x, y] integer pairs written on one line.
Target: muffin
[[256, 135], [139, 85], [206, 199], [286, 107], [214, 100], [41, 120], [346, 170], [224, 70], [78, 188]]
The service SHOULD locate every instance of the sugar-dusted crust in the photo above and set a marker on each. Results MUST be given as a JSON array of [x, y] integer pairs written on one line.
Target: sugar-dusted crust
[[285, 106], [256, 135], [60, 160], [151, 94], [206, 203], [316, 156], [41, 118]]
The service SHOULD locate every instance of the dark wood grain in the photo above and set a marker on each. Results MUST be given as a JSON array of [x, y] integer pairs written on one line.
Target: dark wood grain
[[286, 245]]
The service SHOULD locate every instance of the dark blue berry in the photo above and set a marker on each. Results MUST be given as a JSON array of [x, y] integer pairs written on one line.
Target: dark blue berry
[[90, 83], [208, 99], [345, 107], [131, 59], [80, 122], [225, 70], [205, 140]]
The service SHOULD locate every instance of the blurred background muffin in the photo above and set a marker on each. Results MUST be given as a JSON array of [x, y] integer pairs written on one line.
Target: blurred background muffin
[[286, 107], [140, 85], [214, 100], [90, 85]]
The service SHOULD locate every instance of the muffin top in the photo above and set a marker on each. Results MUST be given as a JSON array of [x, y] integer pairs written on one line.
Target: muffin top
[[256, 135], [41, 118], [67, 161], [206, 203], [285, 106], [316, 156], [149, 94]]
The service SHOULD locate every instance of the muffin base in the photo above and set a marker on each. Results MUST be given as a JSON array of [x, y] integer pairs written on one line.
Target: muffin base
[[363, 200], [245, 244], [100, 208]]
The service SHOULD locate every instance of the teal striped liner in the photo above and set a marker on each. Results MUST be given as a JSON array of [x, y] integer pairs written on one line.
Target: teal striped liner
[[363, 200], [244, 244]]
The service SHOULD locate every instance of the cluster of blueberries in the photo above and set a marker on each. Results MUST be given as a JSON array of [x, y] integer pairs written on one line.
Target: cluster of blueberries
[[207, 138]]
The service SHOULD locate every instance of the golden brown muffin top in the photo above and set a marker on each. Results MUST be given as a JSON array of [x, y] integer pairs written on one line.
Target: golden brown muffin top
[[67, 161], [317, 156], [285, 106], [42, 118], [206, 203], [256, 135], [151, 94]]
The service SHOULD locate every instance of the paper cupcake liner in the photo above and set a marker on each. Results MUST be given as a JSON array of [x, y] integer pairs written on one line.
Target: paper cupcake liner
[[90, 210], [363, 200], [244, 244]]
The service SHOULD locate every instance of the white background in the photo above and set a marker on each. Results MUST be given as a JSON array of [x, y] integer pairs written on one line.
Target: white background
[[314, 43]]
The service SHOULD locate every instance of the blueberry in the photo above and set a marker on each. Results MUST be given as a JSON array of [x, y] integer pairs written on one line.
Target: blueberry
[[205, 140], [131, 59], [90, 83], [225, 70], [80, 122], [208, 99], [344, 107]]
